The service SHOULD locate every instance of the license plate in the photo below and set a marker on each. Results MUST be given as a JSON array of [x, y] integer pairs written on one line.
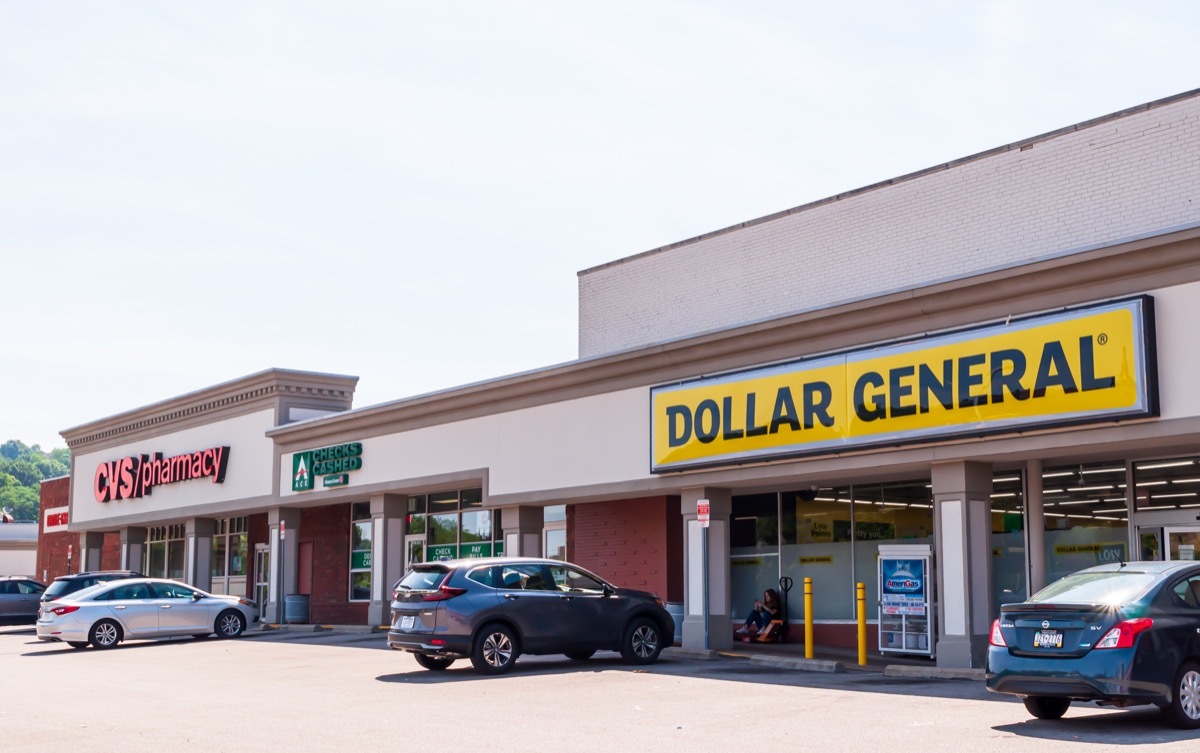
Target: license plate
[[1047, 639], [406, 623]]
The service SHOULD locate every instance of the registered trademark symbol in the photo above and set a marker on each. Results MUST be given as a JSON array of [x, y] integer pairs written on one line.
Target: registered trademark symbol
[[1102, 339]]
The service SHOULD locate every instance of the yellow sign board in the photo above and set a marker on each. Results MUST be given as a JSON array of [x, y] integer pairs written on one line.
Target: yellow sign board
[[1082, 365]]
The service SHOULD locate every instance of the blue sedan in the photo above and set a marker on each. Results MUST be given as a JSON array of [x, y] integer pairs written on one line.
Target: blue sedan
[[1124, 634]]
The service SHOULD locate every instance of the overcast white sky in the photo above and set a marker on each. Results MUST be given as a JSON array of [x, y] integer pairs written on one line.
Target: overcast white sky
[[193, 192]]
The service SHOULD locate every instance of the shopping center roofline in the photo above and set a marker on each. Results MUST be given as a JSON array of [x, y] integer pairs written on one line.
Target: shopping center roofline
[[1097, 271], [254, 387], [1016, 145]]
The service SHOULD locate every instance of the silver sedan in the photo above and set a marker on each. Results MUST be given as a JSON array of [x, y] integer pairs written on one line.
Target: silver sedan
[[108, 613]]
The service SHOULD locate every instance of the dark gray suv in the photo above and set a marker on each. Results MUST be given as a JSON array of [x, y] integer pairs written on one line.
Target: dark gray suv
[[494, 610]]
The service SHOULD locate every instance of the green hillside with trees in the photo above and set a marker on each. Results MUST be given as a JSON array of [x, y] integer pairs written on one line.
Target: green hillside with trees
[[22, 468]]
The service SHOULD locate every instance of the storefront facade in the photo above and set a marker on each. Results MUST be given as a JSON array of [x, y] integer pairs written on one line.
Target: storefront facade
[[992, 359]]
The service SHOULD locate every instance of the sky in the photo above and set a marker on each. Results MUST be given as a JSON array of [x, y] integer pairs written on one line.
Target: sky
[[405, 192]]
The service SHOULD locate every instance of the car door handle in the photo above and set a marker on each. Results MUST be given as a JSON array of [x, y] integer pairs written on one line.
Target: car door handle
[[512, 597], [166, 606], [565, 597], [119, 606]]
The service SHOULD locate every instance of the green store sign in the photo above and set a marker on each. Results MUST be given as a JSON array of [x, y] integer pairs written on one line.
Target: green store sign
[[360, 560], [333, 463]]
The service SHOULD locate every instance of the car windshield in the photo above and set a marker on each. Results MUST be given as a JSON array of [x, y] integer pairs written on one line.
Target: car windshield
[[425, 579], [1113, 588]]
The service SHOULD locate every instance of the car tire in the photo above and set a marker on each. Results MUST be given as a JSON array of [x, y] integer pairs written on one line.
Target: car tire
[[579, 655], [495, 650], [77, 644], [105, 634], [229, 624], [642, 641], [1184, 709], [1044, 707], [433, 663]]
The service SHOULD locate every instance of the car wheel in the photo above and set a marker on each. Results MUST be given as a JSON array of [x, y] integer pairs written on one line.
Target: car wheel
[[1047, 708], [433, 663], [495, 650], [230, 624], [642, 642], [105, 634], [77, 644], [1184, 711], [580, 655]]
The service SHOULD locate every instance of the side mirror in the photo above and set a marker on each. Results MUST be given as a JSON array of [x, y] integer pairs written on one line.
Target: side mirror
[[197, 596], [609, 590]]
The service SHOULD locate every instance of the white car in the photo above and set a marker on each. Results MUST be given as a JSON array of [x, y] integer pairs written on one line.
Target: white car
[[108, 613]]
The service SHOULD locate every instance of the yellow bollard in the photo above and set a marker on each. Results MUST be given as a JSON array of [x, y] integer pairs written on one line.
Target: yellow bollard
[[861, 599], [808, 626]]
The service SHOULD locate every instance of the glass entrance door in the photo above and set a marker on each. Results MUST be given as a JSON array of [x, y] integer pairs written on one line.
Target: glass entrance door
[[1183, 542], [414, 550], [262, 575]]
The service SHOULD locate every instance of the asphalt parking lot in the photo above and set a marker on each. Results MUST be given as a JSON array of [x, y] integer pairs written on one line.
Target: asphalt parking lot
[[347, 692]]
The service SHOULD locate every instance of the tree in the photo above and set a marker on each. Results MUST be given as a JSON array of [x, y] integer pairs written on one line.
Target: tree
[[21, 501], [13, 449], [22, 469]]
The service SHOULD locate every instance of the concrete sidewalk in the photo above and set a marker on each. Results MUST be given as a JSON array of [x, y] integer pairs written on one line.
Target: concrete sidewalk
[[777, 655]]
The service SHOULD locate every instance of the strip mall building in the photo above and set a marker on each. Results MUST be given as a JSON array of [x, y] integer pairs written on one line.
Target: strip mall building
[[993, 360]]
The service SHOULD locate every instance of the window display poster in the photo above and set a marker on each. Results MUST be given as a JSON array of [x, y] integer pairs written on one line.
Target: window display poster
[[902, 586]]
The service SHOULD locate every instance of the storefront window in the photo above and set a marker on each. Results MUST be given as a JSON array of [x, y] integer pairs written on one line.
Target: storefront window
[[1008, 539], [556, 544], [166, 551], [1167, 484], [157, 555], [414, 522], [360, 551], [554, 532], [219, 543], [477, 526], [456, 525], [229, 552], [1170, 488], [1086, 517], [829, 535]]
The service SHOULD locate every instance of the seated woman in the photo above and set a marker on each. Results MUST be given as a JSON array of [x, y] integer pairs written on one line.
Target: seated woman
[[768, 609]]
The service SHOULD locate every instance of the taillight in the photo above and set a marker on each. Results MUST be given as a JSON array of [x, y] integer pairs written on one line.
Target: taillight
[[997, 638], [60, 611], [1125, 633], [443, 593]]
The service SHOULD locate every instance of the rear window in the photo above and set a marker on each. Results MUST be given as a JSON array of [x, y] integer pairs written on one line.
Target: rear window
[[60, 587], [1113, 588], [425, 579]]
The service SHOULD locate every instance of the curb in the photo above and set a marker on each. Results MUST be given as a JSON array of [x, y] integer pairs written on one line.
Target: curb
[[790, 662], [674, 652], [934, 673]]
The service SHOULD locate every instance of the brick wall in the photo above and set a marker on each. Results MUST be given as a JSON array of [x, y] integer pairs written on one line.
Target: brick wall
[[1128, 175], [635, 543], [328, 528], [52, 547]]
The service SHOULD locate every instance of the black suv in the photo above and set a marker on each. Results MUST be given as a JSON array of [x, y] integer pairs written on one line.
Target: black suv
[[69, 584], [494, 610]]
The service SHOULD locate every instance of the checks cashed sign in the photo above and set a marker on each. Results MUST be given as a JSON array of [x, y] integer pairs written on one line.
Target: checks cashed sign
[[332, 463], [1089, 364]]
